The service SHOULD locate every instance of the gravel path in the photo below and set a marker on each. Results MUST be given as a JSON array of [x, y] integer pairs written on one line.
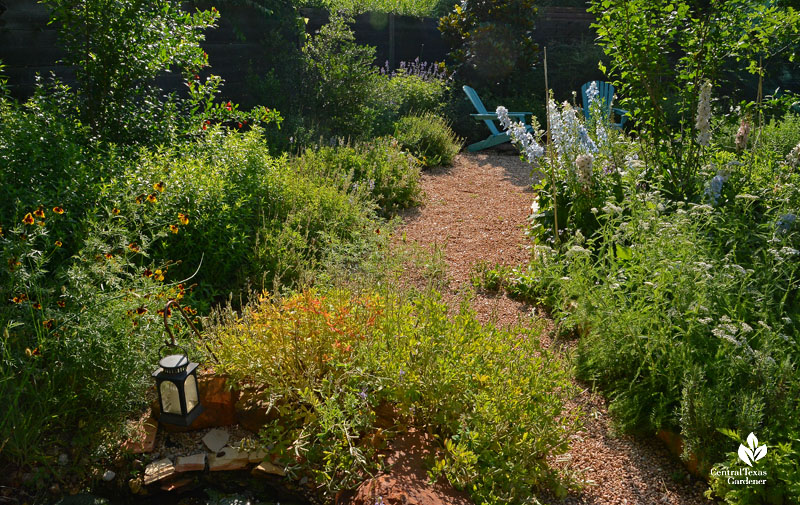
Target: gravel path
[[477, 210]]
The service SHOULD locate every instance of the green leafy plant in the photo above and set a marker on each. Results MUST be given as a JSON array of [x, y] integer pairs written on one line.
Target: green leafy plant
[[379, 169], [118, 48], [340, 80], [490, 40], [429, 138], [661, 54], [327, 361]]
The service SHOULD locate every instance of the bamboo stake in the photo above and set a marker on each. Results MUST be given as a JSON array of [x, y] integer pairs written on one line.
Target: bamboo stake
[[554, 189]]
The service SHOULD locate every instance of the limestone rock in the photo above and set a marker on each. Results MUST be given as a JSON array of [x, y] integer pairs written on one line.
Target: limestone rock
[[193, 463], [176, 484], [158, 471], [266, 468], [257, 456], [252, 411], [229, 458], [144, 439], [216, 439]]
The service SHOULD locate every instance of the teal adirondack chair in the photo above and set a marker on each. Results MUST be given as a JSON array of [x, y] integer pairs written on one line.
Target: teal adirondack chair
[[606, 94], [497, 137]]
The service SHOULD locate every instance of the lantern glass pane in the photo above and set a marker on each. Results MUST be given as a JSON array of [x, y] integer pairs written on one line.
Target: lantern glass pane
[[170, 398], [190, 390]]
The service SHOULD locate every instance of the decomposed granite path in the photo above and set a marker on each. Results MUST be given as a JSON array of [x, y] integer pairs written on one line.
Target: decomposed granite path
[[477, 210]]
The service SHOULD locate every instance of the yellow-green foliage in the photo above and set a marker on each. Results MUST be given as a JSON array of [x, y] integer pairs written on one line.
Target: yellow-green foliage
[[326, 361]]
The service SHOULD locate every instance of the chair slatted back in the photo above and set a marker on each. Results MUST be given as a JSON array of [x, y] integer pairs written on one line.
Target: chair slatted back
[[478, 104], [605, 95]]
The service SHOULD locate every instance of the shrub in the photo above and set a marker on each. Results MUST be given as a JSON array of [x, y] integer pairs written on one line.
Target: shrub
[[378, 169], [340, 80], [681, 48], [489, 40], [327, 361], [429, 138], [249, 217], [413, 88], [119, 49], [79, 331], [682, 331]]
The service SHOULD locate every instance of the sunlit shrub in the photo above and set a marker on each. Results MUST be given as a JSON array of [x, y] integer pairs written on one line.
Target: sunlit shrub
[[429, 138], [325, 362], [379, 169]]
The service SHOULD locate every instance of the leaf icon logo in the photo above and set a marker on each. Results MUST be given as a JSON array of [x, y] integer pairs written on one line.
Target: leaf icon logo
[[751, 452]]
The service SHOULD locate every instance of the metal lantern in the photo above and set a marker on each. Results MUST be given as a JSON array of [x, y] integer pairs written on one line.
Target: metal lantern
[[176, 380]]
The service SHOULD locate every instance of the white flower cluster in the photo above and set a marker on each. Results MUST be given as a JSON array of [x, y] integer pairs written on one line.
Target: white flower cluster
[[703, 123], [520, 135], [793, 158], [584, 164], [592, 92], [567, 131]]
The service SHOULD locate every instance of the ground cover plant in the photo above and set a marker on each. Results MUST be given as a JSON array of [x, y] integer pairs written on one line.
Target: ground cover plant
[[326, 361]]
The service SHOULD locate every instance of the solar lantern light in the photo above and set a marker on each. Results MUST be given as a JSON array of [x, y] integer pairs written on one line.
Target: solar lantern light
[[176, 380]]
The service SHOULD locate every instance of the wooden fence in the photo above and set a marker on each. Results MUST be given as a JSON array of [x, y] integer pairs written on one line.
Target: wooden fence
[[30, 47]]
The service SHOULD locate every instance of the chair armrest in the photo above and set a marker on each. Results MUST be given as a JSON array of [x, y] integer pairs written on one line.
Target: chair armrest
[[481, 117], [623, 115], [493, 115]]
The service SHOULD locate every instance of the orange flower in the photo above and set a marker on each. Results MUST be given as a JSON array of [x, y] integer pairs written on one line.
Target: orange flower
[[152, 198], [109, 256], [34, 352], [61, 303], [140, 198], [39, 212], [13, 263], [159, 275], [37, 305], [173, 228], [28, 219], [159, 186], [183, 218], [48, 323], [141, 310], [133, 247], [58, 210], [115, 211], [147, 272], [1, 231], [17, 299], [40, 223], [59, 243]]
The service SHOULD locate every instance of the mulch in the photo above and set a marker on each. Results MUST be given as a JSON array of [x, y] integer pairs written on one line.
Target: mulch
[[477, 210]]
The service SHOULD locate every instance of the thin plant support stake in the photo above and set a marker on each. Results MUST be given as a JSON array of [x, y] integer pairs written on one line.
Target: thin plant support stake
[[553, 186]]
